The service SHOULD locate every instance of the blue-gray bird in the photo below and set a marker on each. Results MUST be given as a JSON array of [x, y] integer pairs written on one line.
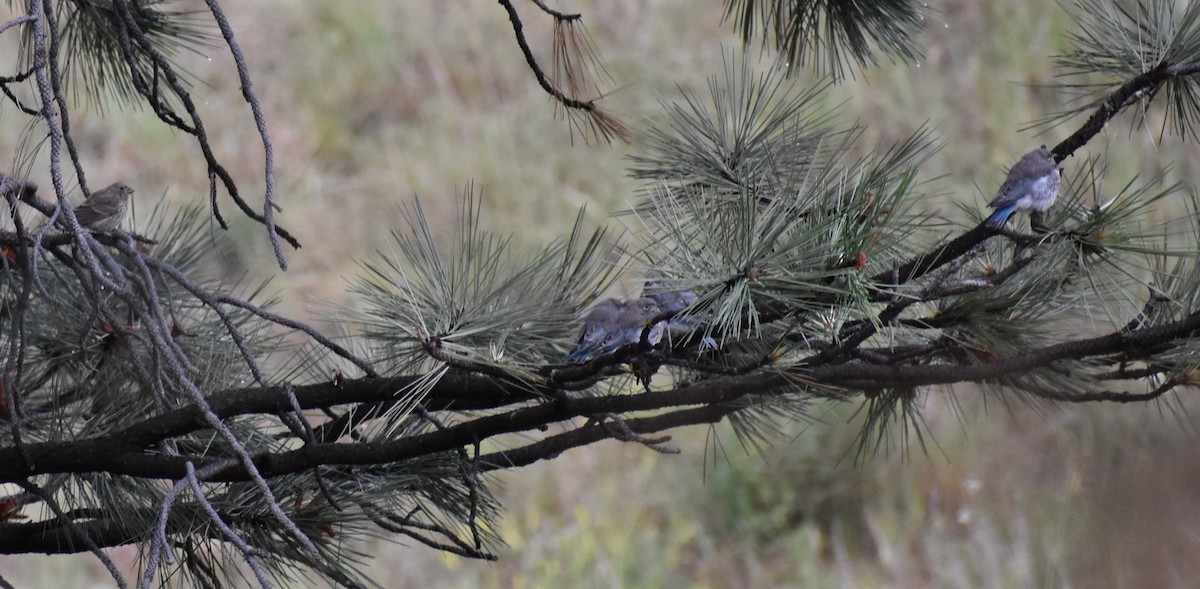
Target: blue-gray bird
[[1031, 184], [627, 329], [669, 301], [674, 301], [596, 327]]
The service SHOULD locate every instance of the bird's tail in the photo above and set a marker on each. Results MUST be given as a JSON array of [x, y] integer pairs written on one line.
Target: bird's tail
[[997, 219]]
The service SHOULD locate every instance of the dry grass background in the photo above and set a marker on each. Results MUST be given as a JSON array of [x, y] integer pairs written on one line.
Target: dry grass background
[[371, 102]]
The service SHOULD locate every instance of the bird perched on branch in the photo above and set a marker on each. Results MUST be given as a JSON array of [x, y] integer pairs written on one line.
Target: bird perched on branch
[[669, 301], [596, 326], [104, 209], [627, 329], [612, 324], [679, 328], [1032, 184]]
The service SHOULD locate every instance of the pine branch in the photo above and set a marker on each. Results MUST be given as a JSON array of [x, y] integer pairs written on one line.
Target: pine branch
[[832, 33], [574, 54], [122, 452]]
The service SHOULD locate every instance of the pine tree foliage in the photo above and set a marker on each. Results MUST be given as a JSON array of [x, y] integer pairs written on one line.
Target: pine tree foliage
[[142, 403], [94, 52], [1138, 50], [833, 35]]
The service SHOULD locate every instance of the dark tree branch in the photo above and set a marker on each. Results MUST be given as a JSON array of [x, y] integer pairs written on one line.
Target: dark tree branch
[[1127, 95], [130, 30], [125, 452], [604, 124]]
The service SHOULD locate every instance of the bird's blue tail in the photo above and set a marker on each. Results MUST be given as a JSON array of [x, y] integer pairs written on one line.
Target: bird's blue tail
[[1000, 217]]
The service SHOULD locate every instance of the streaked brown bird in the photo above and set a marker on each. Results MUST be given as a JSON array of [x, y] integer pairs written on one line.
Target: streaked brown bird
[[104, 209]]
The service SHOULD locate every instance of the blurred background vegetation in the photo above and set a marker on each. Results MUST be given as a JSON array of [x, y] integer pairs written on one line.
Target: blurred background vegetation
[[371, 102]]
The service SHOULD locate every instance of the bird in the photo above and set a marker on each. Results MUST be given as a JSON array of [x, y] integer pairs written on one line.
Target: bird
[[628, 326], [1031, 184], [104, 209], [669, 301], [596, 327], [679, 328], [614, 323]]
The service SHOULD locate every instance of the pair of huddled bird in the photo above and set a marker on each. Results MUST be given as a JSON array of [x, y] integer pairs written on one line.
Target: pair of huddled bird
[[614, 323]]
